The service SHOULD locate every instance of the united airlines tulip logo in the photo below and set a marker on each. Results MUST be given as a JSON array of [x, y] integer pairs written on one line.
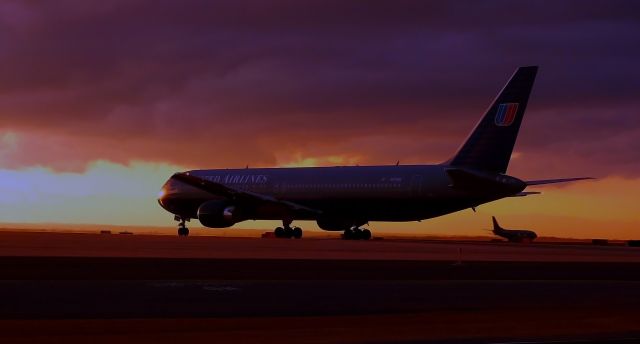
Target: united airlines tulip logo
[[506, 114]]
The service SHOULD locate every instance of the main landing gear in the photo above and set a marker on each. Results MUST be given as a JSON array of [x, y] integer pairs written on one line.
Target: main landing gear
[[356, 233], [288, 232], [182, 227]]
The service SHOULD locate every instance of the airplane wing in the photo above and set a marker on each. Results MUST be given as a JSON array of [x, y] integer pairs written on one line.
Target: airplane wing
[[553, 181], [526, 193], [237, 194]]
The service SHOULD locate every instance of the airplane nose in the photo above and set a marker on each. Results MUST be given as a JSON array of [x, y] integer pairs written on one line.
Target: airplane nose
[[168, 194], [161, 195]]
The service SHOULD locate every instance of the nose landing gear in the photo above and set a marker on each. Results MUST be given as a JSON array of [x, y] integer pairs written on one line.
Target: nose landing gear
[[182, 226]]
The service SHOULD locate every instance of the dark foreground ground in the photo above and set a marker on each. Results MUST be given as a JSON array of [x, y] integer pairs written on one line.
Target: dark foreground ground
[[89, 288]]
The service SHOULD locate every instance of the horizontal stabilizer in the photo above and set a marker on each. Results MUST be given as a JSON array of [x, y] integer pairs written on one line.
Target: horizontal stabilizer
[[554, 181]]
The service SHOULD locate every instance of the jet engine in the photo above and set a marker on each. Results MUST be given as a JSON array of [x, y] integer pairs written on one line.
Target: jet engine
[[217, 214], [331, 224]]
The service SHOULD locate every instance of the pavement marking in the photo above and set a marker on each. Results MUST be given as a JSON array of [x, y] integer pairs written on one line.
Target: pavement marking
[[576, 341], [208, 286]]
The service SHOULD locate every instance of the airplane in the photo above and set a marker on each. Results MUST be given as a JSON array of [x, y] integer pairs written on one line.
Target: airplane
[[345, 198], [513, 235]]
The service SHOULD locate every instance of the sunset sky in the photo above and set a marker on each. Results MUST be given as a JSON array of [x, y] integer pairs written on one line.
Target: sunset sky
[[101, 101]]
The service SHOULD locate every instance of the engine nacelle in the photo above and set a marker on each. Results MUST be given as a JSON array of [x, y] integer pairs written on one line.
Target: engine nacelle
[[217, 214], [329, 224]]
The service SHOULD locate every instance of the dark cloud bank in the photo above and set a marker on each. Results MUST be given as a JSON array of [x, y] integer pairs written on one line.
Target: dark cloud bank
[[225, 83]]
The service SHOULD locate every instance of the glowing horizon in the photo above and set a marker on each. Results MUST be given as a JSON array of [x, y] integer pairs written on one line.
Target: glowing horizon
[[113, 194]]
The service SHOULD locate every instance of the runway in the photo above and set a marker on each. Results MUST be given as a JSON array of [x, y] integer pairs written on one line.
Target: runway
[[80, 287], [163, 246]]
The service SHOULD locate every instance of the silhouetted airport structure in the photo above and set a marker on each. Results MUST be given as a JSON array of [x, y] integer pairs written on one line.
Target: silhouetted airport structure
[[345, 198], [513, 235]]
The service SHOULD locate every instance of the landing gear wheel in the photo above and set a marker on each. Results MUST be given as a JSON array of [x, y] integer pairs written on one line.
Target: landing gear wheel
[[348, 234], [356, 234], [288, 232], [182, 226]]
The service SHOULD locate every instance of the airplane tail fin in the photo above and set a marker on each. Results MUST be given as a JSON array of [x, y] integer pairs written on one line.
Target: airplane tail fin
[[490, 144], [496, 226]]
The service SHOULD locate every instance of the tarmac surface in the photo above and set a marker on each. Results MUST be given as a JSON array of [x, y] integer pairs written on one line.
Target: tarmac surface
[[163, 246], [76, 288]]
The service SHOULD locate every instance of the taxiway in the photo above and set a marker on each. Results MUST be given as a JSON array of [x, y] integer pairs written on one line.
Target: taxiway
[[107, 288]]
